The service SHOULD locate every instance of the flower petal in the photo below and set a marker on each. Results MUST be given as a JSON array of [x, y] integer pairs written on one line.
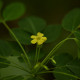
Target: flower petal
[[39, 42], [44, 38], [33, 36], [40, 34], [34, 41]]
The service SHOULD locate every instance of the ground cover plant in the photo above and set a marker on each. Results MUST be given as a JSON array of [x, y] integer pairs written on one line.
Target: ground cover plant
[[23, 58]]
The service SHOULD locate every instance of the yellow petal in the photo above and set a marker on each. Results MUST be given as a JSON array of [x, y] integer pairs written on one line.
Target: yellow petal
[[44, 38], [33, 41], [39, 42], [33, 36], [40, 34]]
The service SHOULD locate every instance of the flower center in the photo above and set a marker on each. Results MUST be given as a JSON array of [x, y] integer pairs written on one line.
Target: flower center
[[38, 38]]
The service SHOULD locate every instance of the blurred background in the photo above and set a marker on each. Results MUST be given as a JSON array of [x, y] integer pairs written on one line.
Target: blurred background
[[53, 11]]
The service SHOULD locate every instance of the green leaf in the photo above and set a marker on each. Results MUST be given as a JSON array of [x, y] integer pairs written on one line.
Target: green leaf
[[2, 61], [67, 69], [77, 34], [22, 36], [13, 11], [32, 24], [59, 73], [72, 20], [16, 47], [52, 32], [77, 40], [32, 78], [13, 78], [6, 49], [62, 59], [31, 55], [74, 66], [14, 71]]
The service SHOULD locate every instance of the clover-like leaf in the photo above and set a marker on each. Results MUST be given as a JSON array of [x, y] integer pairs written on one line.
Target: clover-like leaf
[[72, 20], [74, 66], [62, 59], [3, 61], [66, 68], [6, 49], [22, 35], [77, 34], [13, 78], [32, 24], [13, 11], [52, 32], [16, 68], [63, 74]]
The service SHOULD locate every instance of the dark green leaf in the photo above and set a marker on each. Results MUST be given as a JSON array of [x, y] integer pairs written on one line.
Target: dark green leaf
[[74, 66], [22, 35], [6, 49], [67, 69], [32, 78], [77, 35], [62, 59], [32, 24], [13, 78], [3, 61], [59, 73], [52, 32], [17, 78], [72, 20], [31, 55], [13, 11], [12, 70], [16, 47]]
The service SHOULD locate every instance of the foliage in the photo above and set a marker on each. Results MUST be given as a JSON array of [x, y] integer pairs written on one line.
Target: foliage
[[18, 62]]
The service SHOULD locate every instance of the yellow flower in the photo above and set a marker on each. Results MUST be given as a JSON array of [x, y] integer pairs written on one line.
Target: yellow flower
[[39, 38]]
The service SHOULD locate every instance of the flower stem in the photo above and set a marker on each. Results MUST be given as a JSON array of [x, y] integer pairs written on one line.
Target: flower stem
[[54, 50], [17, 41], [37, 53]]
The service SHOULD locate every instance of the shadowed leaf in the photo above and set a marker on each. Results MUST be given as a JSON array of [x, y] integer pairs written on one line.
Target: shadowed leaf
[[32, 24], [13, 11]]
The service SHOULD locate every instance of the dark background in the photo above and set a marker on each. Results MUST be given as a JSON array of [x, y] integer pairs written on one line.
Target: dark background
[[53, 11]]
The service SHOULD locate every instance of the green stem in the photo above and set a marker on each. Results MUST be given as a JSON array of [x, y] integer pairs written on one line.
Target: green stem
[[24, 59], [16, 40], [38, 53], [38, 47], [54, 49], [72, 32]]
